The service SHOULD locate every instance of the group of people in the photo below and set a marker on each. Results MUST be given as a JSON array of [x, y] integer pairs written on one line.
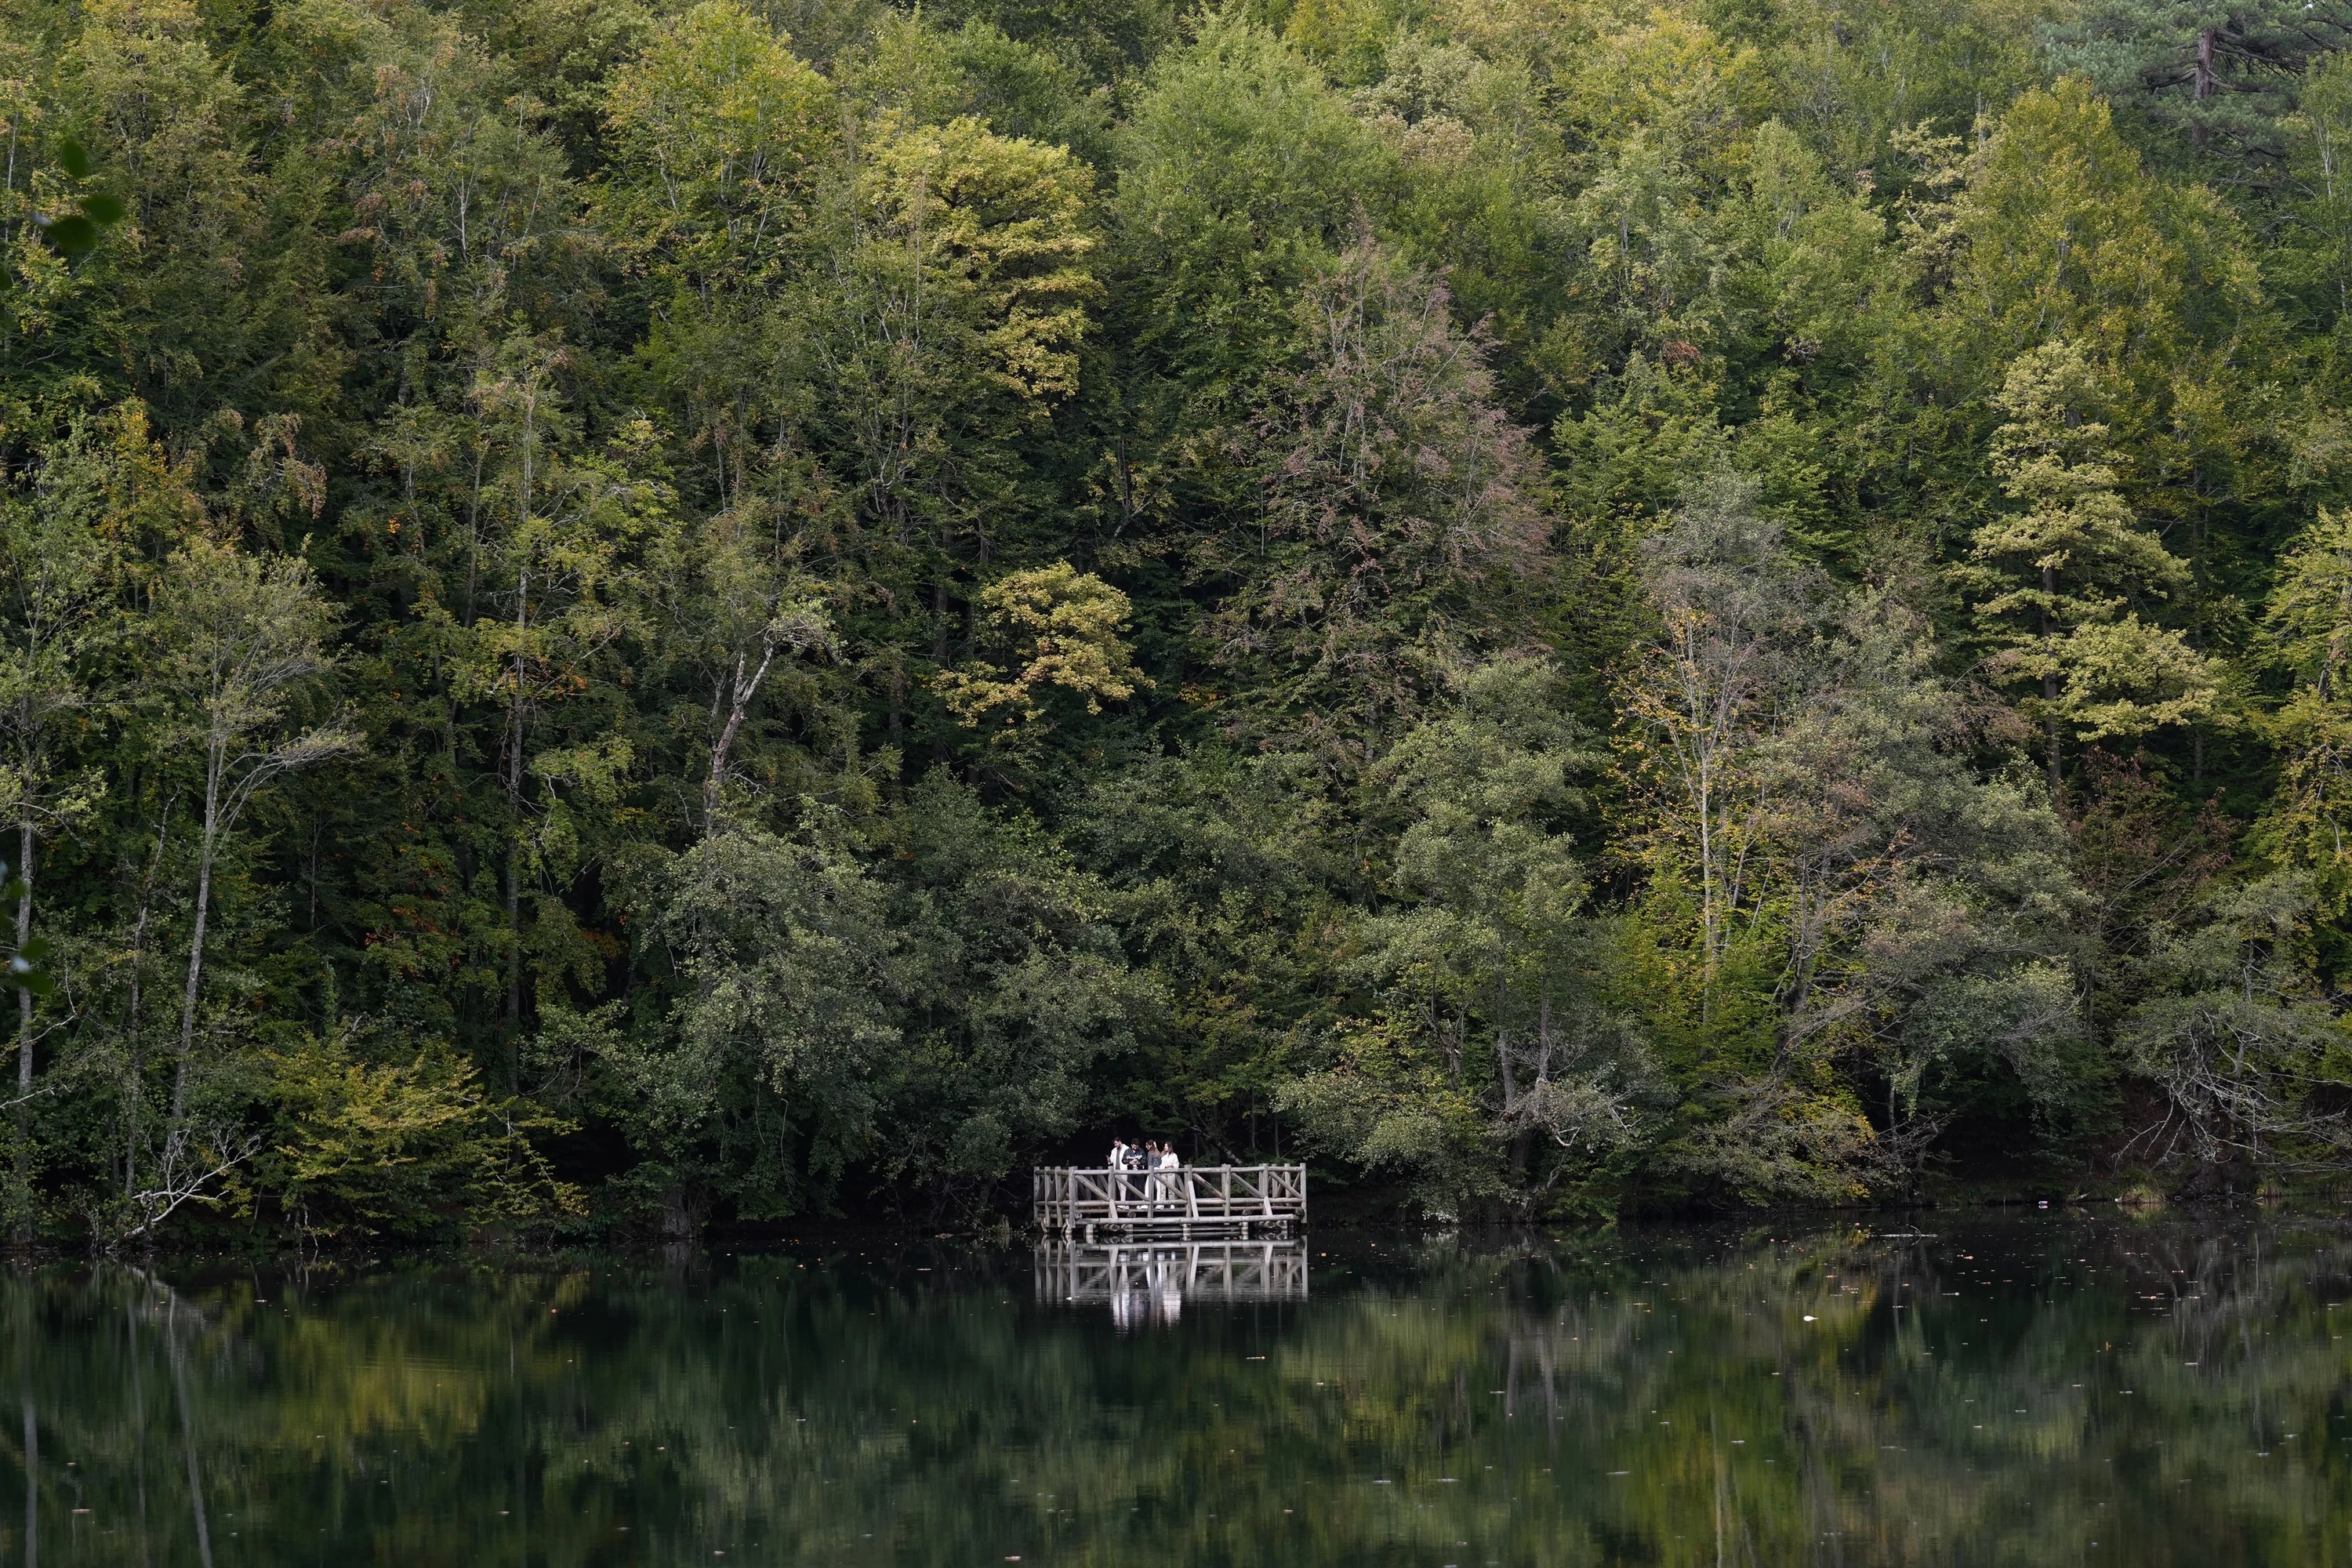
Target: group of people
[[1148, 1155]]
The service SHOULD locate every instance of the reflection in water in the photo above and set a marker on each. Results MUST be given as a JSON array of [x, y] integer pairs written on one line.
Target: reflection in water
[[2058, 1389], [1147, 1283]]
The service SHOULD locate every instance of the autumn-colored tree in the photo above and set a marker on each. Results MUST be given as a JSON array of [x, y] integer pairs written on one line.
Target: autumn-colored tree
[[1398, 528]]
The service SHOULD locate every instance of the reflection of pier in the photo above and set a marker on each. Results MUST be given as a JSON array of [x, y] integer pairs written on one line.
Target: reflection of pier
[[1193, 1201], [1149, 1282]]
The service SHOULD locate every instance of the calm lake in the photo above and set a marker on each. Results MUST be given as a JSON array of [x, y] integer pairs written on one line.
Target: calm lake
[[2058, 1388]]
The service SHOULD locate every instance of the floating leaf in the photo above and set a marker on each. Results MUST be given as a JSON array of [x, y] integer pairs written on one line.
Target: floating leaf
[[73, 158], [102, 209]]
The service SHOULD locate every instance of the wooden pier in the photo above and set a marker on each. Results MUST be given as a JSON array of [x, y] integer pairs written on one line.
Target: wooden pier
[[1187, 1203], [1149, 1280]]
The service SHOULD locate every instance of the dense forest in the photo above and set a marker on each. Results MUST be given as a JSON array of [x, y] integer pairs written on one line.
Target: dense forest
[[619, 614]]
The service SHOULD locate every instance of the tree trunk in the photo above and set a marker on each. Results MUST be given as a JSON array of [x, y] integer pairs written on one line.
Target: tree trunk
[[514, 930], [514, 808], [514, 962], [2049, 678], [514, 758], [739, 707], [24, 1026], [23, 935], [135, 1093], [2050, 694], [2202, 81], [1543, 1036], [196, 941], [896, 724]]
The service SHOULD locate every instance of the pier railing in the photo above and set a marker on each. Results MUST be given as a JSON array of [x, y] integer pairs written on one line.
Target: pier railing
[[1189, 1201]]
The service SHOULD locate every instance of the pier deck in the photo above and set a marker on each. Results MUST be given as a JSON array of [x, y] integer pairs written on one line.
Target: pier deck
[[1193, 1201]]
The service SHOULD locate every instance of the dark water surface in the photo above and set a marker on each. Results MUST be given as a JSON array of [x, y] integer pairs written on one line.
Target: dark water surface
[[2058, 1389]]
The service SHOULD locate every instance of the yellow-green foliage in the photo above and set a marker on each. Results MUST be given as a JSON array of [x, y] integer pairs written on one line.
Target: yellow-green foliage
[[411, 1147], [1064, 626]]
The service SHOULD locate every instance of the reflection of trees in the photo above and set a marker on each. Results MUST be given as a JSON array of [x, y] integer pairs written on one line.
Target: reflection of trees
[[924, 1409], [2010, 1438]]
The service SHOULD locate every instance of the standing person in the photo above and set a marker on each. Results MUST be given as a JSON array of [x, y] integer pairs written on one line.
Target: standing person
[[1119, 1155], [1169, 1164]]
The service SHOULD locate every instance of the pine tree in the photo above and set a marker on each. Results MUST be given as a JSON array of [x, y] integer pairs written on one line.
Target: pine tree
[[2224, 71], [2060, 578]]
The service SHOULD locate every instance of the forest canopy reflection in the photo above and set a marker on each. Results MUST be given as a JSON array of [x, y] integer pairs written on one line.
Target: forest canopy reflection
[[2058, 1390]]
